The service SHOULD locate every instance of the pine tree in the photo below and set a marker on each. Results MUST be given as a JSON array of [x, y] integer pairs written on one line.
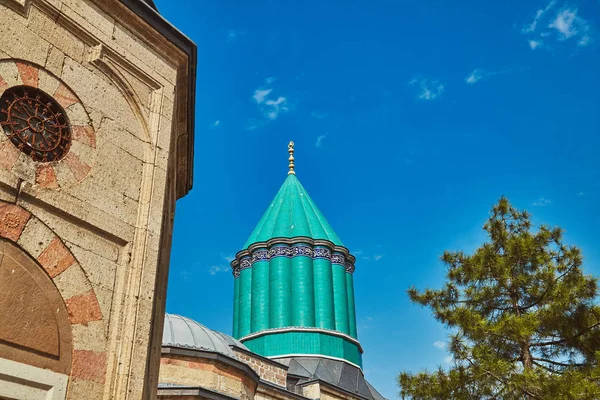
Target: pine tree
[[524, 317]]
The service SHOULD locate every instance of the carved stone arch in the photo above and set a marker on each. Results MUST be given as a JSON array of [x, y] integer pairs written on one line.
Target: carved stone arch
[[121, 74], [31, 243], [35, 327]]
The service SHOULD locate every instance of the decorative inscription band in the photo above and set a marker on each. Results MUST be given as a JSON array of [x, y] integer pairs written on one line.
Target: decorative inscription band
[[292, 251]]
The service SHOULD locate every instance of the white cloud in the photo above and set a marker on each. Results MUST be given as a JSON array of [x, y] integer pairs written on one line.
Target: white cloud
[[557, 23], [378, 257], [428, 89], [448, 359], [216, 123], [534, 44], [275, 107], [538, 15], [439, 344], [584, 41], [479, 74], [581, 194], [565, 23], [261, 94], [541, 202], [215, 269], [271, 108], [475, 76], [319, 142]]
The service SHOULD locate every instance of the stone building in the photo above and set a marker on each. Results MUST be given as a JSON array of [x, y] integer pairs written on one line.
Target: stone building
[[294, 320], [97, 120], [97, 117]]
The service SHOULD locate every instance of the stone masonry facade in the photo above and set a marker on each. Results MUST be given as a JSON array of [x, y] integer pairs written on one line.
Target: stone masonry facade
[[268, 370], [98, 222]]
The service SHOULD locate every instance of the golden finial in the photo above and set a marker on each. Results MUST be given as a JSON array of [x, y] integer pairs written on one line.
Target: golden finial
[[291, 151]]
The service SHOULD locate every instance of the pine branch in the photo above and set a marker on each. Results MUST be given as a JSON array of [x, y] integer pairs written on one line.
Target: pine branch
[[558, 363], [561, 341]]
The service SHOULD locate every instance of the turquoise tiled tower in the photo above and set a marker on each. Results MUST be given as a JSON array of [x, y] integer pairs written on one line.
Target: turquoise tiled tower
[[294, 287]]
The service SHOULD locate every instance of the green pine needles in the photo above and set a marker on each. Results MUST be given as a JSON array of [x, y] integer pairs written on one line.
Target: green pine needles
[[525, 317]]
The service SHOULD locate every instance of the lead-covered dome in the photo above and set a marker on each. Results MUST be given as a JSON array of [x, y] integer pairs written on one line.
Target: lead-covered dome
[[184, 332]]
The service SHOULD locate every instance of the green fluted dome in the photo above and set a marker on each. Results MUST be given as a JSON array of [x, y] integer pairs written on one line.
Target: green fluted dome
[[292, 213]]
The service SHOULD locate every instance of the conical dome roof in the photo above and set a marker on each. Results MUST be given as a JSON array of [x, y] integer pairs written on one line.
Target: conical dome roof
[[292, 213]]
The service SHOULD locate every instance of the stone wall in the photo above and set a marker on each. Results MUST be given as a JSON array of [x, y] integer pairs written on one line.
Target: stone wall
[[107, 207], [208, 374], [268, 370]]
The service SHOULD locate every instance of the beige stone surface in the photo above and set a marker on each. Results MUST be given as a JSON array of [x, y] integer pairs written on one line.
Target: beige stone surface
[[90, 13], [35, 237], [107, 204], [19, 42], [84, 389], [266, 370], [72, 282], [90, 336], [55, 61], [48, 29], [139, 51], [209, 375], [49, 83]]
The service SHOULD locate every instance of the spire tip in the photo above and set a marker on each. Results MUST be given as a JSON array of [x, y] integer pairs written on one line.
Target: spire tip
[[291, 159]]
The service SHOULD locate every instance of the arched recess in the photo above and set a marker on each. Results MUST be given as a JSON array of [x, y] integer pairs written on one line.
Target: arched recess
[[39, 276], [36, 330]]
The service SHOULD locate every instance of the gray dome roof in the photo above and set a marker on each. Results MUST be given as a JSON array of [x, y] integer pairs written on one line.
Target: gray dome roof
[[184, 332]]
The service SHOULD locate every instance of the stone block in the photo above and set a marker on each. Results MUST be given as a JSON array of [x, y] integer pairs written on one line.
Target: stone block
[[82, 389], [54, 33], [87, 11], [36, 237], [24, 168], [10, 73], [140, 51], [55, 61], [18, 41], [72, 282], [56, 258], [83, 308], [78, 167], [89, 337], [64, 96], [89, 366], [77, 114], [29, 74], [9, 154], [13, 220], [45, 176], [48, 82]]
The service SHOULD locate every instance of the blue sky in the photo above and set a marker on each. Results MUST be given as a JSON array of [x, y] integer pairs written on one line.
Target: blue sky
[[410, 120]]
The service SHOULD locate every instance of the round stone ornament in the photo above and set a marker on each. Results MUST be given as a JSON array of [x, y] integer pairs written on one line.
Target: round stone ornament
[[35, 123]]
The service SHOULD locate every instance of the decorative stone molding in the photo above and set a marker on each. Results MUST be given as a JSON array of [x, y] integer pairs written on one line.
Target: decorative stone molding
[[292, 247], [301, 329], [77, 163]]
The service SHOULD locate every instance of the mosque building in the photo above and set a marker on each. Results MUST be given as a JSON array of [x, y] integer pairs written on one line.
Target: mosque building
[[294, 318], [97, 108]]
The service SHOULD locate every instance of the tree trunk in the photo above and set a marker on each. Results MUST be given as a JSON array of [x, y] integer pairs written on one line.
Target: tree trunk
[[526, 356]]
